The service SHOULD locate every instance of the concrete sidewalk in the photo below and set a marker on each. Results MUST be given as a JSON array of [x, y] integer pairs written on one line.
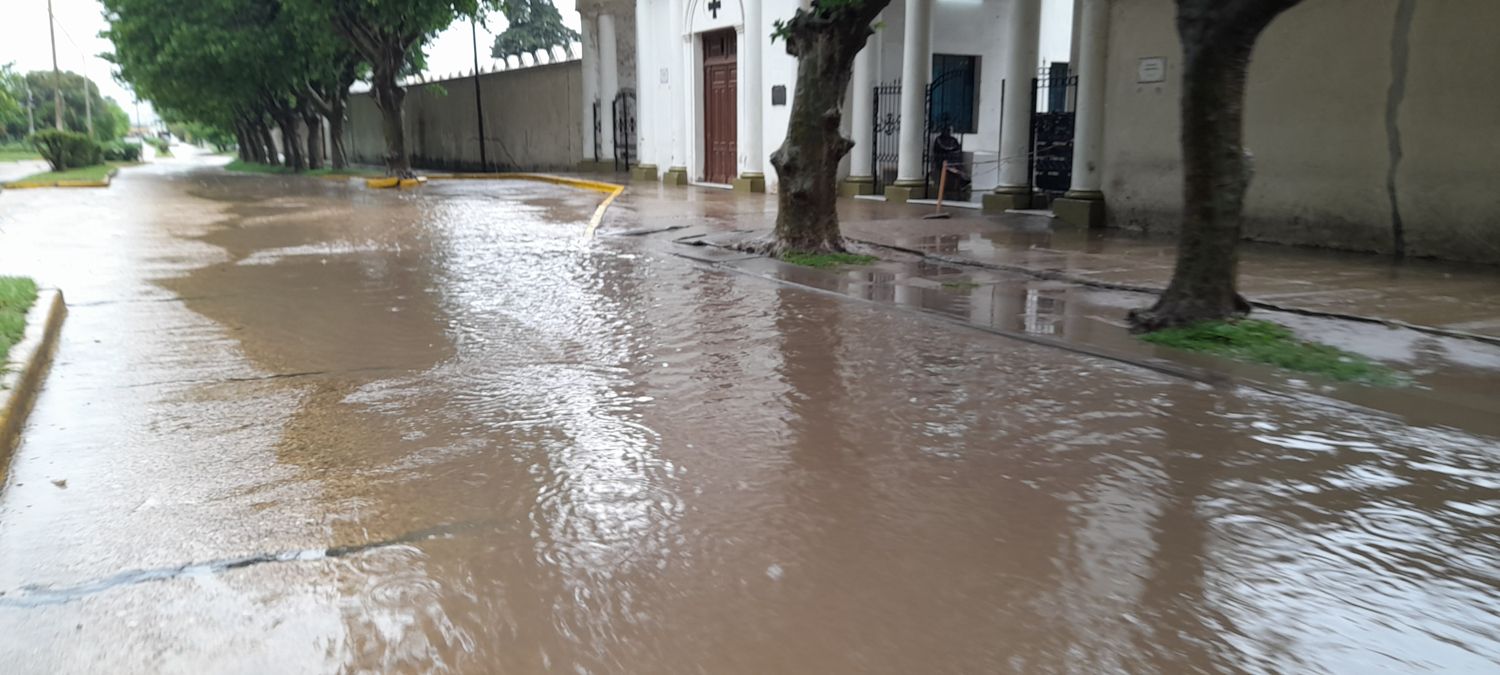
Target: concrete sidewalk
[[1458, 297]]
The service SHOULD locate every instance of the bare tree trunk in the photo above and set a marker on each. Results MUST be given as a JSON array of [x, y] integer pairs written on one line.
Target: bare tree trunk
[[825, 41], [1218, 37], [337, 156], [291, 144], [389, 97], [314, 124], [273, 156], [247, 149]]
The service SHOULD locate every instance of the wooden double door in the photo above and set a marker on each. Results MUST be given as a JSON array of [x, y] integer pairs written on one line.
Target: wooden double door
[[720, 106]]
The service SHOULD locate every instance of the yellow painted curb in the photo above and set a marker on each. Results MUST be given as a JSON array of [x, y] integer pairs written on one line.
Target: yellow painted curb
[[413, 182], [31, 184], [382, 183], [26, 364]]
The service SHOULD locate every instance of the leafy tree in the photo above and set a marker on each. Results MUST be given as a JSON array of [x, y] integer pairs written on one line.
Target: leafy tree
[[107, 124], [389, 34], [12, 103], [825, 39], [534, 25], [1218, 37]]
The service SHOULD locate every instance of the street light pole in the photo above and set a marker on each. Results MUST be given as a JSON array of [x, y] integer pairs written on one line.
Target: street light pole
[[484, 164], [30, 113], [56, 74]]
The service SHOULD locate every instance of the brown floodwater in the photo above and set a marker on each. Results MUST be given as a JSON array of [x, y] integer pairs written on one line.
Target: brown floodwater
[[306, 427]]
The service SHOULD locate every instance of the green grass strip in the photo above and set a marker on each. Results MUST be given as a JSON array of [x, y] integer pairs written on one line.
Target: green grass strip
[[92, 173], [17, 294], [1274, 344], [242, 166], [17, 154], [827, 260]]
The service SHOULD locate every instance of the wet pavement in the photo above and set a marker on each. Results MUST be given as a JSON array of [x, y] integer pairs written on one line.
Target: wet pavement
[[300, 426]]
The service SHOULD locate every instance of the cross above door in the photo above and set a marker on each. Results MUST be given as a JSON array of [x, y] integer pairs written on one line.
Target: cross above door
[[713, 7]]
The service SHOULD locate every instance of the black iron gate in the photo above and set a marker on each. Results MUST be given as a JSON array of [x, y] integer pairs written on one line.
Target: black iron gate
[[885, 136], [949, 105], [598, 131], [624, 115], [1053, 100]]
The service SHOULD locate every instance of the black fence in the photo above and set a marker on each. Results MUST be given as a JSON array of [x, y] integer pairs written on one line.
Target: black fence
[[598, 131], [624, 129], [886, 134], [1054, 98]]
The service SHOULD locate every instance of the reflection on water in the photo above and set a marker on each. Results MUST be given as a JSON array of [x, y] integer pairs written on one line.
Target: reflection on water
[[671, 468]]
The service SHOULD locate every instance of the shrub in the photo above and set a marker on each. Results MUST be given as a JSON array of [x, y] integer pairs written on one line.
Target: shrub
[[66, 149], [120, 151], [163, 147]]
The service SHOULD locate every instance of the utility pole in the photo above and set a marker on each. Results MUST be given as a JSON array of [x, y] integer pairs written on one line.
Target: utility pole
[[56, 74], [30, 104], [88, 109], [484, 164]]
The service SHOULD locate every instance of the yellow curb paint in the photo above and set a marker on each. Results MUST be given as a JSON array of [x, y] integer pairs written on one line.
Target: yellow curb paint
[[382, 183], [611, 189], [27, 364], [413, 182]]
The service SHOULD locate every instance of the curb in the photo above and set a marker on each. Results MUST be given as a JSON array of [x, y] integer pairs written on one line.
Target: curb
[[25, 367], [29, 185], [613, 190]]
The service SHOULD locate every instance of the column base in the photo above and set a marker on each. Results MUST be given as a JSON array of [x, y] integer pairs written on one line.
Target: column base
[[643, 172], [901, 191], [676, 175], [1000, 202], [855, 186], [750, 182], [591, 166], [1084, 209]]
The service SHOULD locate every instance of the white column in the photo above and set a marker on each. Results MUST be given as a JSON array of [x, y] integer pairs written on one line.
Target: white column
[[751, 134], [862, 115], [680, 62], [590, 66], [1088, 130], [609, 82], [645, 77], [916, 58], [1021, 36]]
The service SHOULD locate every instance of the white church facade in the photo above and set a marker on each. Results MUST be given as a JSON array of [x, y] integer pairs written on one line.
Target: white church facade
[[1368, 123]]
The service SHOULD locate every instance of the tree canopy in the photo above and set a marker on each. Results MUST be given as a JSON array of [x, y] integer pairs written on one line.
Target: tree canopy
[[534, 25]]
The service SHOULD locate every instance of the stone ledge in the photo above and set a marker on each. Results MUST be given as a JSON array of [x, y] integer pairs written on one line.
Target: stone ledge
[[750, 183], [1080, 212], [25, 367], [901, 194], [855, 187], [1000, 202], [643, 173]]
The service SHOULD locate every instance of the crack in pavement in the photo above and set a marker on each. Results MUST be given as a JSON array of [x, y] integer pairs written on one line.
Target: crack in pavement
[[36, 595]]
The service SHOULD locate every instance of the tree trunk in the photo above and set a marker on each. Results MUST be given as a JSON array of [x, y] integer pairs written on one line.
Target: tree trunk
[[825, 41], [1217, 40], [244, 144], [273, 156], [389, 97], [314, 124], [291, 144], [336, 154]]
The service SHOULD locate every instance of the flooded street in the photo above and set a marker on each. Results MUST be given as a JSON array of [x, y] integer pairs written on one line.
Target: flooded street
[[295, 425]]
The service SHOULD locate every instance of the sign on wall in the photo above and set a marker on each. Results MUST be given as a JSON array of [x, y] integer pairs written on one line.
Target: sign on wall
[[1151, 69]]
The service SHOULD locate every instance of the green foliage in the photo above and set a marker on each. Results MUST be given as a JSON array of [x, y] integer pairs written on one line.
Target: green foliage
[[534, 25], [110, 121], [12, 103], [1273, 344], [17, 294], [95, 172], [162, 146], [66, 149], [11, 152], [826, 260], [121, 151], [239, 166]]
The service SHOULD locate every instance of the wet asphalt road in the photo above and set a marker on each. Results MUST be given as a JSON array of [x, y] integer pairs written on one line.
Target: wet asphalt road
[[299, 426]]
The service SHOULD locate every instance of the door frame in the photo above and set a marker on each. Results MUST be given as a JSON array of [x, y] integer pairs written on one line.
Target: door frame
[[696, 100]]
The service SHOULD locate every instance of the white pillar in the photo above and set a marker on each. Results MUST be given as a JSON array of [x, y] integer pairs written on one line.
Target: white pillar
[[1021, 36], [644, 100], [679, 62], [590, 66], [752, 177], [609, 82], [1088, 129], [862, 116], [916, 58]]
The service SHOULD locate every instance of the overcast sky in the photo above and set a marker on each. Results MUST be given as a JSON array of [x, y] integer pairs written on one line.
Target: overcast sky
[[23, 41]]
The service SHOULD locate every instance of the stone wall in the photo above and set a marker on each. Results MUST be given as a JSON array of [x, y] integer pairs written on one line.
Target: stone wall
[[1363, 116], [532, 121]]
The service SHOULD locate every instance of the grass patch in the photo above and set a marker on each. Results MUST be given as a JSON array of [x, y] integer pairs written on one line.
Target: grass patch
[[17, 154], [17, 294], [960, 285], [95, 172], [242, 166], [1273, 344], [827, 260]]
